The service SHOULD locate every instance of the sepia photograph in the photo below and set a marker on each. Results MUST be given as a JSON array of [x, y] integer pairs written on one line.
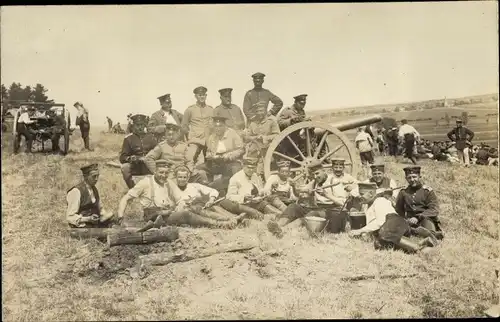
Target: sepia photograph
[[250, 161]]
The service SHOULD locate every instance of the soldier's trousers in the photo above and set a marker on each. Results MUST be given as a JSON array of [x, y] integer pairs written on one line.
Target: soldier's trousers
[[85, 130], [185, 217], [23, 130], [227, 170], [256, 211], [133, 169], [276, 202]]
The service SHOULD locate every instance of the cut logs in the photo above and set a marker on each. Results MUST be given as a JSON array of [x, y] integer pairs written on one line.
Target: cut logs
[[167, 234], [371, 277], [166, 258]]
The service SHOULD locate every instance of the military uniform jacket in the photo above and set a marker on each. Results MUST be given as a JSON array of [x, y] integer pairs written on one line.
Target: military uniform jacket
[[230, 146], [133, 144], [285, 118], [256, 95], [159, 119], [179, 154], [234, 115], [418, 202], [267, 128], [197, 123], [460, 136]]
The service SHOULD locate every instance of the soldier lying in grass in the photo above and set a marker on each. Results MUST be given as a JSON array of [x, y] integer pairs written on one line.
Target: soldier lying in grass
[[164, 204]]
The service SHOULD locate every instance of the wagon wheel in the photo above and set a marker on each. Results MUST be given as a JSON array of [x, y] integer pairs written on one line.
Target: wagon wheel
[[16, 143], [66, 133], [327, 142]]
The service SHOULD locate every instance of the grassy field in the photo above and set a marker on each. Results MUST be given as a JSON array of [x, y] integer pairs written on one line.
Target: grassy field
[[49, 277]]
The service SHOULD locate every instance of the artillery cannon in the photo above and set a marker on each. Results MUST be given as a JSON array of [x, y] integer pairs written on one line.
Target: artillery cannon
[[309, 143]]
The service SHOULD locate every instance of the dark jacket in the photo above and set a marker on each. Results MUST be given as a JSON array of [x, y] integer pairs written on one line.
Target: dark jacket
[[460, 135]]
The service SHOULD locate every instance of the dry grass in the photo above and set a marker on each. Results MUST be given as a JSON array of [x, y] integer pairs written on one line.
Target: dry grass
[[48, 276]]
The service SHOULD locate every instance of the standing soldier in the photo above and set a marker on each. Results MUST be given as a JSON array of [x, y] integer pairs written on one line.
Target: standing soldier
[[259, 135], [408, 135], [84, 206], [23, 128], [392, 141], [82, 120], [233, 114], [134, 148], [224, 149], [110, 123], [165, 115], [197, 121], [259, 96], [462, 137], [175, 152]]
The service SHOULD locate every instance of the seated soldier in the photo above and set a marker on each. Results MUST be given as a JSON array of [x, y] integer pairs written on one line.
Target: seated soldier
[[245, 192], [163, 202], [84, 207], [381, 180], [134, 149], [278, 187], [418, 204], [259, 134], [321, 196], [381, 213], [224, 148], [200, 199], [175, 152]]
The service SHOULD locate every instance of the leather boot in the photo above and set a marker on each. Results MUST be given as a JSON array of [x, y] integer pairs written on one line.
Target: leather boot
[[408, 245], [430, 241]]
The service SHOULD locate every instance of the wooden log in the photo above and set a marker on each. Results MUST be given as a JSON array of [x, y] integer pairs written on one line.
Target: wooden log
[[184, 256], [167, 234], [99, 233]]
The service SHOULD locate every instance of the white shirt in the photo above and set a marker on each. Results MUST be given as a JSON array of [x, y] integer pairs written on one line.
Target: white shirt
[[406, 129], [167, 195], [73, 199], [365, 142], [221, 147], [375, 215], [240, 186], [338, 191], [274, 183], [25, 118], [196, 190], [169, 118]]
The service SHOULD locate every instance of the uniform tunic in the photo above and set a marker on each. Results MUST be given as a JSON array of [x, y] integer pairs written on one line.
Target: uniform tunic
[[256, 95], [240, 186], [234, 115], [267, 128], [83, 201], [197, 123], [230, 146], [134, 144], [160, 118], [178, 154], [289, 113], [418, 202]]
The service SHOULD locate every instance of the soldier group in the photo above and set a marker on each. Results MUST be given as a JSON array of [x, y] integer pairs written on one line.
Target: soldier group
[[205, 168]]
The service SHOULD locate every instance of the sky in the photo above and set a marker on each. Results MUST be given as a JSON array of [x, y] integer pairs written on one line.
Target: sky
[[119, 59]]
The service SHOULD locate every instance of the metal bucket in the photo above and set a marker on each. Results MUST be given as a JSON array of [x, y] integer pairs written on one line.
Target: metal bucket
[[358, 219], [315, 224]]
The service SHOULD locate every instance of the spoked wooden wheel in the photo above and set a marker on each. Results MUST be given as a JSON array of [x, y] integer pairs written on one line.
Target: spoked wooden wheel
[[307, 144]]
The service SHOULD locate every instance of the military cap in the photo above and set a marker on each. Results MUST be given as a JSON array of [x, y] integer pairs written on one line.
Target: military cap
[[283, 164], [225, 91], [200, 90], [139, 118], [366, 186], [300, 97], [78, 104], [459, 121], [249, 161], [162, 163], [338, 161], [219, 119], [258, 75], [412, 170], [379, 167], [88, 169], [172, 127], [163, 97]]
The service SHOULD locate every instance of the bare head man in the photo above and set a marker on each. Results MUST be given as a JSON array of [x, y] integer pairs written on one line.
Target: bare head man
[[200, 93], [182, 175]]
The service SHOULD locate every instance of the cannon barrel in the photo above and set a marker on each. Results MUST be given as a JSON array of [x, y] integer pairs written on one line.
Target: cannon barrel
[[352, 123]]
